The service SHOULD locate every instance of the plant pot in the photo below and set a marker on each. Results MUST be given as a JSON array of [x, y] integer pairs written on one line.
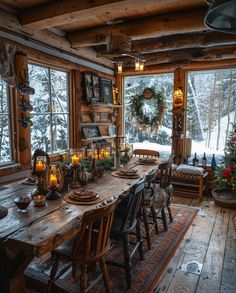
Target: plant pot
[[224, 197]]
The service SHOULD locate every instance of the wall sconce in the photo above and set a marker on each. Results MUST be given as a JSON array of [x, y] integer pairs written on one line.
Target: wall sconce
[[178, 98], [119, 67]]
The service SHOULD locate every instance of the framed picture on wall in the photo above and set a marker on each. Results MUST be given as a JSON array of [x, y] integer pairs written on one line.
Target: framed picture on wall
[[91, 131], [106, 91]]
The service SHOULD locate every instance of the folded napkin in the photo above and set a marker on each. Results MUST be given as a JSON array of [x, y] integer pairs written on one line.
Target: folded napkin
[[128, 172], [84, 192], [147, 160]]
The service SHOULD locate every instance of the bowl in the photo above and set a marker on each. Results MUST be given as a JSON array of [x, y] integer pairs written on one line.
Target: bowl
[[22, 202], [39, 200]]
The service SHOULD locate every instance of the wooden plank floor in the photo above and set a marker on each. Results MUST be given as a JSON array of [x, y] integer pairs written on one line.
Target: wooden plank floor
[[210, 241]]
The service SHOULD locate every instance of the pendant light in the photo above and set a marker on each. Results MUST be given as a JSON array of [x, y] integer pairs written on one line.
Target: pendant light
[[119, 67], [222, 16]]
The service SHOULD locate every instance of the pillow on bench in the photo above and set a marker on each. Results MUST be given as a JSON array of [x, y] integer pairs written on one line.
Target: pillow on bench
[[187, 169]]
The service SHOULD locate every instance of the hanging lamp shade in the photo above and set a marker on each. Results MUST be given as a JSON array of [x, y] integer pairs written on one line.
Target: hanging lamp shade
[[222, 16]]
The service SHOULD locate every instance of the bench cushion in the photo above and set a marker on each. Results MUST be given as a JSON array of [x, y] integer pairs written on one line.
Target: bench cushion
[[187, 169]]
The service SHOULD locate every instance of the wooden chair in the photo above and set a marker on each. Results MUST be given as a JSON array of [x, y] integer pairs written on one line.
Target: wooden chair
[[164, 192], [147, 207], [88, 247], [125, 222], [146, 153]]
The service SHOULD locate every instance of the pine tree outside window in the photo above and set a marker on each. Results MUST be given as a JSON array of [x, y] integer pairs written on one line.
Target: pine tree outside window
[[5, 125], [50, 115], [211, 104]]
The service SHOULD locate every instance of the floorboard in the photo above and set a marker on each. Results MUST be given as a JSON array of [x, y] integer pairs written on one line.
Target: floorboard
[[210, 242]]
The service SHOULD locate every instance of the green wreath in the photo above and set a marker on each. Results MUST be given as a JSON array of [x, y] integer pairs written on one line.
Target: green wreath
[[143, 120]]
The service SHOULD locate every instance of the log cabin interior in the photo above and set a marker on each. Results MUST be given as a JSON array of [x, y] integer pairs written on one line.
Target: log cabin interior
[[83, 85]]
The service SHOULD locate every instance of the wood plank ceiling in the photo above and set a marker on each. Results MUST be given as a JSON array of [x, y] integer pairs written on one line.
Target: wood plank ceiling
[[159, 31]]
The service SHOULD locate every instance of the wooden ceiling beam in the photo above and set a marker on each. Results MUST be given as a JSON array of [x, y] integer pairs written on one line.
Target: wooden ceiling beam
[[64, 11], [204, 39], [193, 54], [61, 12], [184, 41], [185, 64], [11, 23], [155, 26]]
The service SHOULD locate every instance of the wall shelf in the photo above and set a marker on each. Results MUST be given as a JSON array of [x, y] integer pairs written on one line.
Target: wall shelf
[[95, 123], [98, 138], [104, 105]]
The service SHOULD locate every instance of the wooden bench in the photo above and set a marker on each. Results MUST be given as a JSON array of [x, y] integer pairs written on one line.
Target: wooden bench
[[188, 184]]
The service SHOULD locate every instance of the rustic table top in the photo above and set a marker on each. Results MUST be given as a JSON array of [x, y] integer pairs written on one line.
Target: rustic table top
[[42, 229]]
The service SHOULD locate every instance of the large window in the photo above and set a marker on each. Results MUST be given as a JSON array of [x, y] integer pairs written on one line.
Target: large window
[[50, 115], [5, 133], [141, 130], [211, 105]]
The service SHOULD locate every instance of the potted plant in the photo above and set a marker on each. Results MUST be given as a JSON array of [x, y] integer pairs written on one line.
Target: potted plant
[[225, 194]]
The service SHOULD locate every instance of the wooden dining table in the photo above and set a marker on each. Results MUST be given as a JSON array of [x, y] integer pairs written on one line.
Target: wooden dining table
[[44, 228]]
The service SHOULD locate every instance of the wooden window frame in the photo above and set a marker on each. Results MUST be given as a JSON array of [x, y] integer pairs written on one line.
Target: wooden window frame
[[50, 113]]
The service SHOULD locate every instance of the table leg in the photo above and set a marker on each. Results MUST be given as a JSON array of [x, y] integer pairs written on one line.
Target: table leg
[[4, 277]]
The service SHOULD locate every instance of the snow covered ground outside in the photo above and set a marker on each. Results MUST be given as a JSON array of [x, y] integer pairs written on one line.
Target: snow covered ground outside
[[197, 147]]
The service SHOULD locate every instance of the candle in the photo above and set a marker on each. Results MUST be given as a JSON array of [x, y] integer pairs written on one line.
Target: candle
[[107, 155], [53, 180], [75, 160], [39, 166]]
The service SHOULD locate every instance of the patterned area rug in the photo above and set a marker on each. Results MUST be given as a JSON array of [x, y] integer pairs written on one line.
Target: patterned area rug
[[147, 272]]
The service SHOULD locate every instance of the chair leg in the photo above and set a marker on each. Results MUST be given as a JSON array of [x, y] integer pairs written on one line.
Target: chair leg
[[73, 269], [83, 278], [146, 226], [51, 281], [163, 216], [105, 275], [154, 218], [170, 214], [139, 239], [128, 267]]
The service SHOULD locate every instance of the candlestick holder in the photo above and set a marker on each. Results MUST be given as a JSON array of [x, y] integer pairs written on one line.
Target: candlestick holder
[[75, 172], [53, 192], [117, 153], [41, 164]]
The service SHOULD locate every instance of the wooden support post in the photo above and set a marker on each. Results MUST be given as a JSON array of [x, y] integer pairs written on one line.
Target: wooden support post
[[75, 110], [21, 69], [179, 120], [120, 111]]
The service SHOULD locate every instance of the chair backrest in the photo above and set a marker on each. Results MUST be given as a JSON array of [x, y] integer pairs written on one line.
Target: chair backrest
[[95, 230], [146, 153], [130, 210], [165, 174], [151, 176]]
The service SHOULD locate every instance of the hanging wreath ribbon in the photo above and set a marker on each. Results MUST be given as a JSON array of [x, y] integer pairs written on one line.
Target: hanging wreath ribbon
[[152, 117]]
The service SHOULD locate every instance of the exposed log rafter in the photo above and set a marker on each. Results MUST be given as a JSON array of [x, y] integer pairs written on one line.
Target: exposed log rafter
[[192, 54], [155, 26]]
